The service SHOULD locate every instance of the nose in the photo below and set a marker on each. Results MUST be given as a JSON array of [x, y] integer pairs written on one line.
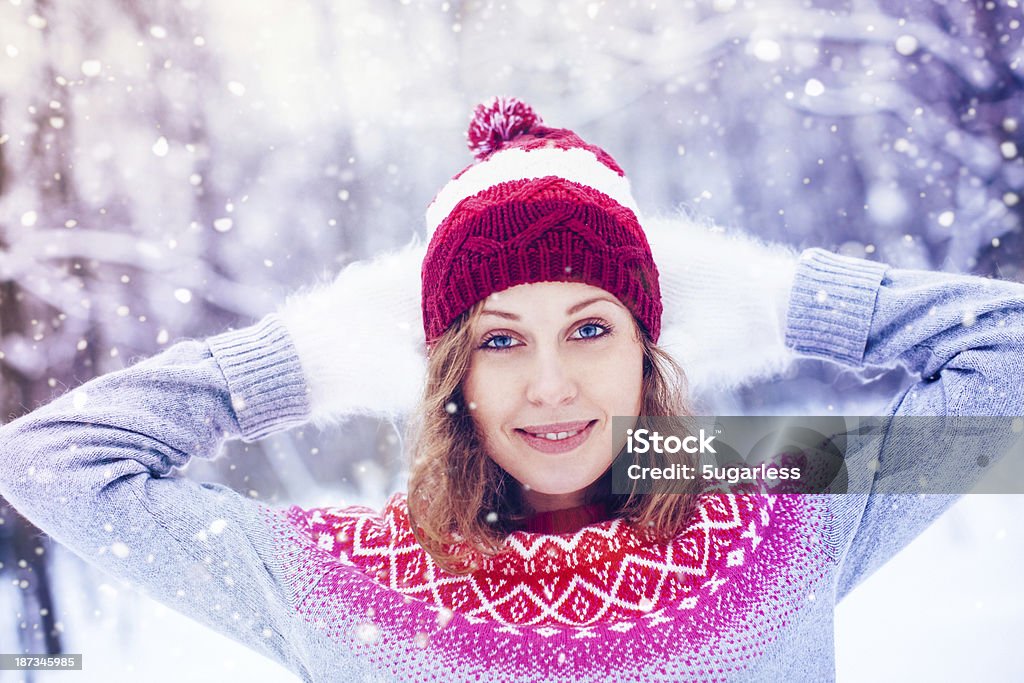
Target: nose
[[552, 381]]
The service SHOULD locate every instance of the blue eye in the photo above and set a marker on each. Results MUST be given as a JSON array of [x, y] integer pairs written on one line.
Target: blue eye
[[592, 330], [498, 341]]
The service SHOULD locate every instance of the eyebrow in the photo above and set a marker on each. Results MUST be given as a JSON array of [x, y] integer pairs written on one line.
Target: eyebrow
[[575, 308]]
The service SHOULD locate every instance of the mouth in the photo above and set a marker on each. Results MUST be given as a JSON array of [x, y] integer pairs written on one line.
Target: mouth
[[557, 438]]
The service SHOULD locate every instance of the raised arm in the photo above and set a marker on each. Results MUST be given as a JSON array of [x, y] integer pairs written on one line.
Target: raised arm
[[738, 310], [960, 337], [95, 468]]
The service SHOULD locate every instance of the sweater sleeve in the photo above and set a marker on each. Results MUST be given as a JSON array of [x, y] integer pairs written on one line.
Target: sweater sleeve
[[962, 340], [94, 469]]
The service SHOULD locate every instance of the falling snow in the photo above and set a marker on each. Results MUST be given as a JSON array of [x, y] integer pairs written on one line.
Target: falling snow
[[91, 67], [161, 147], [367, 632], [892, 134], [79, 399]]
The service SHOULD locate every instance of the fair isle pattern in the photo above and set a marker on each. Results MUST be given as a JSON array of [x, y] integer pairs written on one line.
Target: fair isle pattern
[[605, 572], [720, 592]]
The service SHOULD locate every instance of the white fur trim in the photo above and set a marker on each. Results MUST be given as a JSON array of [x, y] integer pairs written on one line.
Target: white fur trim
[[726, 295], [360, 338], [578, 165]]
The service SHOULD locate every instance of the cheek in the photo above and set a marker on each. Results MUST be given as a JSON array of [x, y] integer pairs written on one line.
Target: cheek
[[474, 387], [619, 380], [494, 382], [477, 379], [482, 390]]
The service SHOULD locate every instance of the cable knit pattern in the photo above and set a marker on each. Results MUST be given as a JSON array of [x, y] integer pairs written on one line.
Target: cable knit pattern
[[747, 590], [542, 230], [576, 164]]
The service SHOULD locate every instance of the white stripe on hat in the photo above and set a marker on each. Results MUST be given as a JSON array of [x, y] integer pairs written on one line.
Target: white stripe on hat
[[577, 165]]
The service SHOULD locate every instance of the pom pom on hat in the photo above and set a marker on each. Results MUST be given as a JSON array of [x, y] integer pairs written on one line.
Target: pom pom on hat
[[498, 121]]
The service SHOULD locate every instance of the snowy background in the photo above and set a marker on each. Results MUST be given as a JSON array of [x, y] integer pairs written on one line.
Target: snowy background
[[169, 169]]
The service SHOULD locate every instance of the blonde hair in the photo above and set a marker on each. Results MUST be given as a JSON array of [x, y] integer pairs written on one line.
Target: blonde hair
[[462, 505]]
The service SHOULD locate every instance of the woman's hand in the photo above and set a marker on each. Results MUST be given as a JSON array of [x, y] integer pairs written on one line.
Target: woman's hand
[[360, 338], [726, 295]]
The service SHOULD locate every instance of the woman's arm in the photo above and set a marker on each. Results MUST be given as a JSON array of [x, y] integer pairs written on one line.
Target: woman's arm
[[942, 327], [961, 338], [94, 469]]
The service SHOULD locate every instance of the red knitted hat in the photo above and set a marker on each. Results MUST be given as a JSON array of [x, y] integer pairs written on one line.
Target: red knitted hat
[[539, 205]]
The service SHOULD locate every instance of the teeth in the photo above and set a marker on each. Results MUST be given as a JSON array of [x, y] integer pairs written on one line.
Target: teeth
[[552, 436]]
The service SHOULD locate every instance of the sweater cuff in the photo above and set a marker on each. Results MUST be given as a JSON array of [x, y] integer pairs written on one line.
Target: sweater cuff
[[264, 378], [832, 304]]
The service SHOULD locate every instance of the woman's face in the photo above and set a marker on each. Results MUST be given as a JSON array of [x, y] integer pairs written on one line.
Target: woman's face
[[552, 363]]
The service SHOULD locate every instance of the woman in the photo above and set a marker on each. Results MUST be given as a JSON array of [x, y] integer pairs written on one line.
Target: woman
[[511, 559]]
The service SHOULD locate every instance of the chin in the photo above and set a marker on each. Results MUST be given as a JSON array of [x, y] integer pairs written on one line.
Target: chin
[[563, 488]]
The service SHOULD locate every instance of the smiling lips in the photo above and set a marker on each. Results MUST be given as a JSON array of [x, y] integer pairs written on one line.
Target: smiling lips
[[556, 438]]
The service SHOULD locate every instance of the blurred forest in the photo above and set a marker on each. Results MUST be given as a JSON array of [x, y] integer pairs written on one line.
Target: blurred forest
[[169, 169]]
